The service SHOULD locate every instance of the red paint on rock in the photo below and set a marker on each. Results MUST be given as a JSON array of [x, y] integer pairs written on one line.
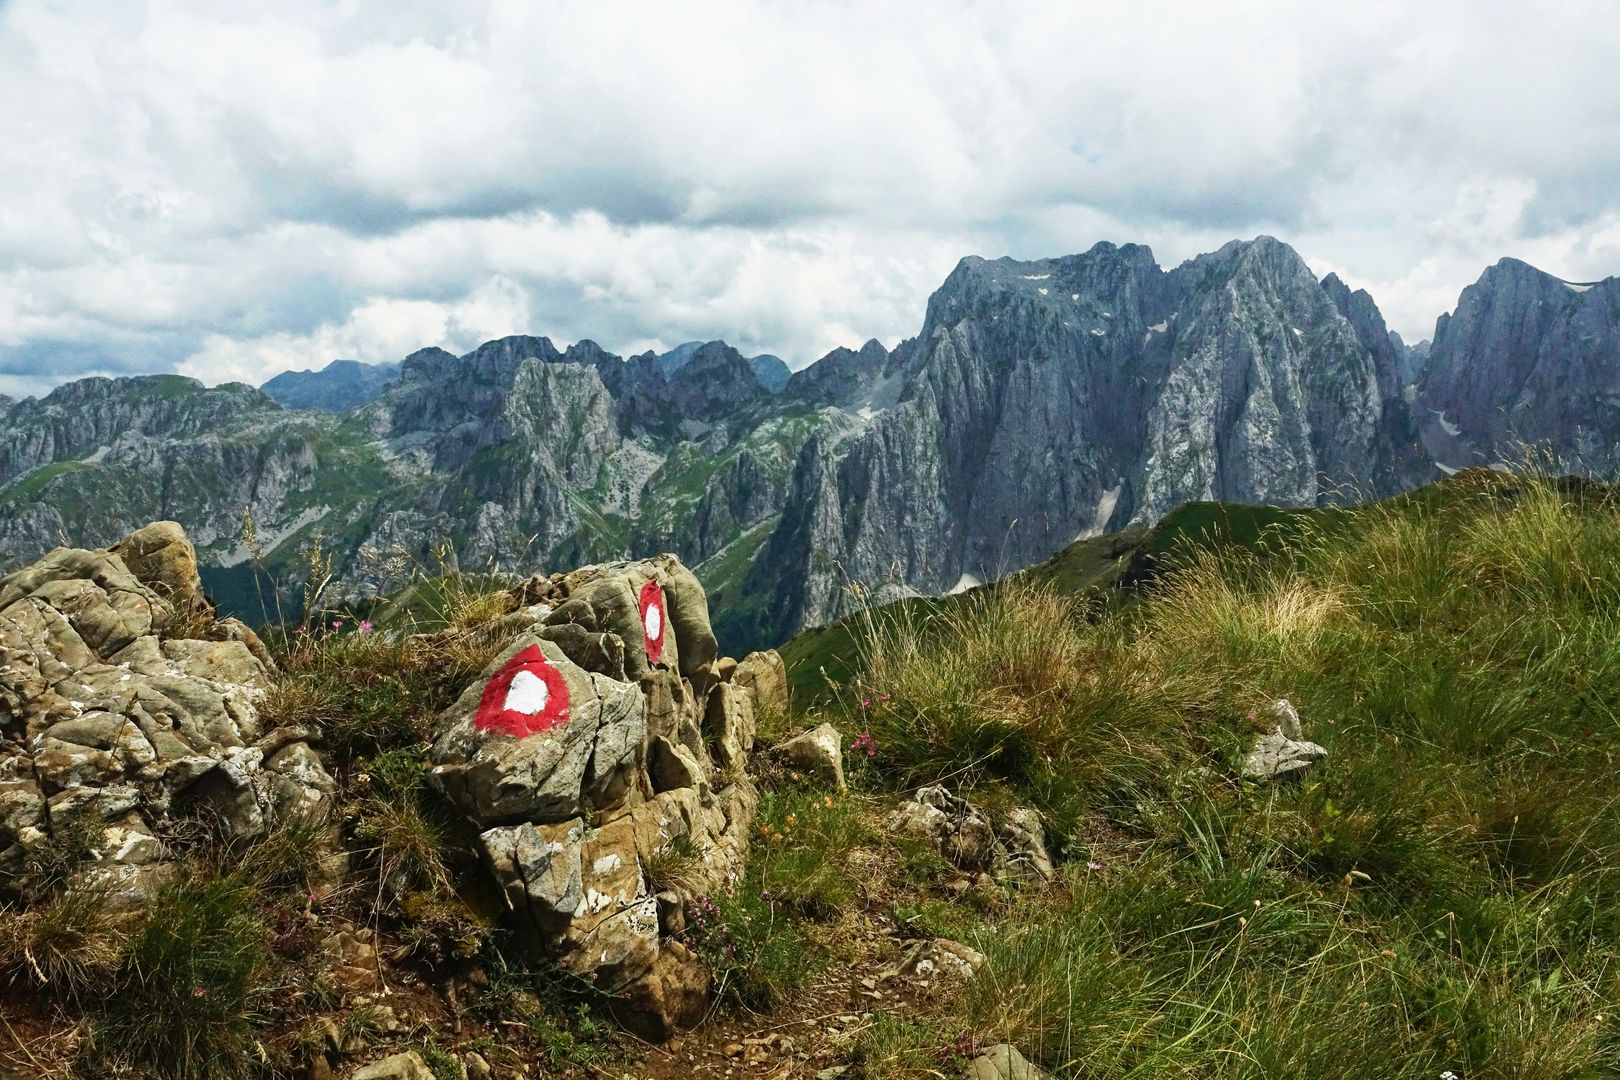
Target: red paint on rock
[[528, 696], [654, 621]]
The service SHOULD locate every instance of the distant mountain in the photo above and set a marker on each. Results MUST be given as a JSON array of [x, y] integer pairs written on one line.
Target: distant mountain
[[1041, 402], [1050, 400], [1525, 358], [340, 385], [771, 371]]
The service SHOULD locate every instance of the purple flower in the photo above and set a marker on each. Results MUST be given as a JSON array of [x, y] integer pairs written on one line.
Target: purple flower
[[365, 626], [1093, 864]]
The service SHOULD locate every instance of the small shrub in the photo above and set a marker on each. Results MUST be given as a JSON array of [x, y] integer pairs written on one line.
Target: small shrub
[[183, 999], [63, 947]]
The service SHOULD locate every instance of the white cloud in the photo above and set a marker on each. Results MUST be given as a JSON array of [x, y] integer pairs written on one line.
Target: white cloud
[[226, 187]]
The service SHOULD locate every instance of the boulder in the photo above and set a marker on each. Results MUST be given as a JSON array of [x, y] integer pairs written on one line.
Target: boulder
[[764, 676], [818, 754], [162, 558], [1283, 753], [112, 722]]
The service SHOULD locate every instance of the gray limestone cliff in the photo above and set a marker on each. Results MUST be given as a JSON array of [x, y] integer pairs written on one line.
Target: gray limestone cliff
[[1526, 360]]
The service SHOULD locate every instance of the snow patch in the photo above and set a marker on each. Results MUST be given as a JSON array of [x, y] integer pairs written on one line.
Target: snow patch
[[101, 452], [963, 584], [1297, 331], [1159, 327], [1572, 287], [1446, 425], [1447, 469], [1036, 277], [1099, 333], [1041, 291]]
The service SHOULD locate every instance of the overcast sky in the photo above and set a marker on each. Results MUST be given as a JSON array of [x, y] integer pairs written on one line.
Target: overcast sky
[[230, 190]]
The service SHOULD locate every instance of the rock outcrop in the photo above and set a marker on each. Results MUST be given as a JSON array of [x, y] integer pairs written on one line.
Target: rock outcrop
[[606, 739], [124, 707]]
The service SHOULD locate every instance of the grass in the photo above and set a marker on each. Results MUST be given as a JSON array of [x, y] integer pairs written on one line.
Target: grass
[[189, 983], [1442, 893]]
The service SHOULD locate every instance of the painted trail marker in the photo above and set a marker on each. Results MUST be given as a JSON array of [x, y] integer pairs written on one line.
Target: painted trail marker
[[653, 621], [528, 696]]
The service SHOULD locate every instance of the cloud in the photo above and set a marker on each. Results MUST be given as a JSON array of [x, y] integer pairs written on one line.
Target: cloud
[[227, 188]]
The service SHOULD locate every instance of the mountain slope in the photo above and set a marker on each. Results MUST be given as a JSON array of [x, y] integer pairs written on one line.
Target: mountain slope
[[1062, 398]]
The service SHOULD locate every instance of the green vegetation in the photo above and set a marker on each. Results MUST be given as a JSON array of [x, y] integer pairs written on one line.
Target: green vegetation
[[1442, 893], [33, 484]]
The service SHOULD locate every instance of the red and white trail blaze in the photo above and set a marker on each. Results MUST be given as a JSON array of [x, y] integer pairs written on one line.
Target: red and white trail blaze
[[526, 697], [653, 621]]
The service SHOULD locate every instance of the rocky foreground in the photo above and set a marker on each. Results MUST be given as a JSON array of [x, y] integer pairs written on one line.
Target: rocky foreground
[[604, 732]]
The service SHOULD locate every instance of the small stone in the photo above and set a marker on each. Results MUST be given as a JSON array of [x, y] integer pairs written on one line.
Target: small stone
[[406, 1066], [1003, 1062], [818, 753], [1282, 753]]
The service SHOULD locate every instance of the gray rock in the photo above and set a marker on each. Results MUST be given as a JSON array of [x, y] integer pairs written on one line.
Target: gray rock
[[108, 722], [574, 812], [818, 753], [1009, 845], [1283, 752], [1003, 1062], [406, 1066]]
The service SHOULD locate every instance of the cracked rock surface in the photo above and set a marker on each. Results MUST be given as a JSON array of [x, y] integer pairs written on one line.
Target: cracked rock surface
[[647, 766], [124, 705]]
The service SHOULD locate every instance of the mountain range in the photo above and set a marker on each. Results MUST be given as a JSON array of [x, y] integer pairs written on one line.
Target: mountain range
[[1040, 402]]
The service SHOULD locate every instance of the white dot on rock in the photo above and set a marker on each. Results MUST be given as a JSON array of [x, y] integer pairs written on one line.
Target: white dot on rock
[[654, 621], [527, 693]]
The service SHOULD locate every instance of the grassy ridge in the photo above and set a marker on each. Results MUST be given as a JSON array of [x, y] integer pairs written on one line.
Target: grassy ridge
[[1442, 893]]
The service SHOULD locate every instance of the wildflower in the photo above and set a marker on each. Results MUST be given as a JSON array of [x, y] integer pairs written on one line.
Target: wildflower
[[199, 992], [828, 801], [866, 702], [337, 624], [1093, 864], [1448, 1075], [365, 626], [302, 630]]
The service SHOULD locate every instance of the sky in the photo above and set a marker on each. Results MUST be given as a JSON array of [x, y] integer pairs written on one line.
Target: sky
[[231, 190]]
